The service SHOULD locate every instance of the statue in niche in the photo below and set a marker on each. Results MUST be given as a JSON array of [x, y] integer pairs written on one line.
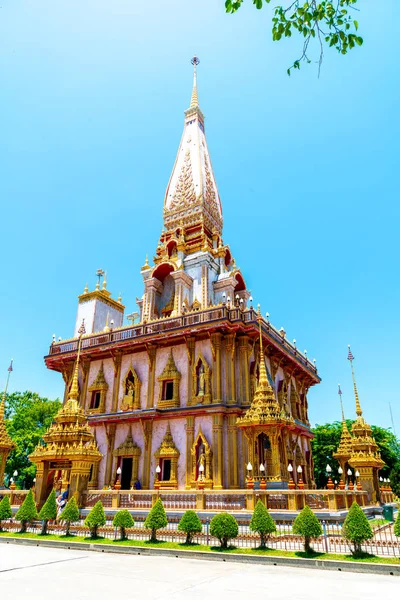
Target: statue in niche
[[130, 390], [201, 453], [131, 397], [201, 381]]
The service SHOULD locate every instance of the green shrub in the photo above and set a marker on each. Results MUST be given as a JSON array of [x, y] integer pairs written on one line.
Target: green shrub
[[307, 525], [356, 528], [48, 511], [396, 525], [27, 512], [224, 527], [123, 519], [70, 514], [156, 519], [95, 519], [5, 510], [262, 523], [190, 524]]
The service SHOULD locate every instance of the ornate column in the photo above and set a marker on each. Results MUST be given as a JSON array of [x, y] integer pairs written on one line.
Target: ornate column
[[204, 287], [218, 466], [233, 481], [110, 433], [85, 364], [245, 375], [189, 444], [147, 427], [216, 341], [151, 355], [230, 368], [117, 358], [190, 346]]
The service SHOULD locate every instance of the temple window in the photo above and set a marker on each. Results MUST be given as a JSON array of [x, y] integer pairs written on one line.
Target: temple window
[[95, 400], [98, 392], [169, 381], [167, 458]]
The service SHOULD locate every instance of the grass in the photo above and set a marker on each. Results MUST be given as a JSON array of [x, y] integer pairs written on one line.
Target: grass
[[366, 558]]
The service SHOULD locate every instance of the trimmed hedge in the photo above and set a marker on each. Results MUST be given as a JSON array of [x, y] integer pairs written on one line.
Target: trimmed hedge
[[262, 523], [156, 519], [356, 528], [48, 511], [27, 512], [190, 524], [123, 519], [307, 525], [224, 527]]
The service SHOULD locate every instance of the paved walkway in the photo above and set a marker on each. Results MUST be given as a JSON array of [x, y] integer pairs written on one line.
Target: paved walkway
[[41, 573]]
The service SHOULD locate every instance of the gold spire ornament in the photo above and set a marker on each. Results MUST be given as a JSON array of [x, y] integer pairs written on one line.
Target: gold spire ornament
[[350, 358], [194, 101], [345, 449], [6, 443]]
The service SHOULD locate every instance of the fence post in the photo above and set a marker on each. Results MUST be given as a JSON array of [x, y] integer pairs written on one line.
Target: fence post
[[208, 531], [326, 543]]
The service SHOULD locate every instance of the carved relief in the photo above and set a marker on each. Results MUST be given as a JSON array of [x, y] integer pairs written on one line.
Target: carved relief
[[131, 391], [201, 375]]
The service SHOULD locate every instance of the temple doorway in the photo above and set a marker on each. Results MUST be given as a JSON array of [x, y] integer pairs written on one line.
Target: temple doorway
[[166, 469], [264, 451], [126, 473]]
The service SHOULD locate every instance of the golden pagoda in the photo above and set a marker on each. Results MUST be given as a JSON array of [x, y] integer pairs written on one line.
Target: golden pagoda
[[365, 457], [345, 448], [70, 450], [6, 443], [266, 425]]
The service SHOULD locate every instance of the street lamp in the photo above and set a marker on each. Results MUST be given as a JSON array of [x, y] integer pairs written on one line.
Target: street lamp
[[292, 484], [300, 483], [330, 485], [117, 485], [350, 473], [157, 481], [250, 480], [263, 485]]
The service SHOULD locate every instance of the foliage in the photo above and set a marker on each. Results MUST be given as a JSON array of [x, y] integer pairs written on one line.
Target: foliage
[[190, 524], [27, 511], [396, 524], [48, 511], [28, 416], [123, 519], [329, 23], [327, 438], [70, 514], [307, 525], [156, 519], [5, 510], [356, 528], [224, 527], [95, 519], [262, 523]]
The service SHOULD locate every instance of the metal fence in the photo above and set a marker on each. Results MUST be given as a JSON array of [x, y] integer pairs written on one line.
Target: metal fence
[[384, 542]]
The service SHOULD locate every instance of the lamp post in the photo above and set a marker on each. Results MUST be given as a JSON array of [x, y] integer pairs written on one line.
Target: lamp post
[[157, 480], [15, 475], [263, 484], [200, 481], [117, 485], [300, 483], [349, 474], [341, 482], [250, 480], [292, 484], [330, 485], [358, 482]]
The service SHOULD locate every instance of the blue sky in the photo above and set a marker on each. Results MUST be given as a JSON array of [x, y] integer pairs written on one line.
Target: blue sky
[[92, 100]]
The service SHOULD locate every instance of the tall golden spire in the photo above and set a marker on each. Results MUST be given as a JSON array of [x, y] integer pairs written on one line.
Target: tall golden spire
[[350, 357], [72, 402], [194, 102]]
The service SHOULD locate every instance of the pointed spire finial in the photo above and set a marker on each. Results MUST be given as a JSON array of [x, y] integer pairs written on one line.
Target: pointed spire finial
[[341, 403], [350, 357], [105, 281], [3, 400], [86, 290], [194, 99], [74, 391], [263, 380]]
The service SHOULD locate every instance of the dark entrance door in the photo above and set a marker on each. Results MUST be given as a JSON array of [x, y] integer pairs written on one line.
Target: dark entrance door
[[126, 473]]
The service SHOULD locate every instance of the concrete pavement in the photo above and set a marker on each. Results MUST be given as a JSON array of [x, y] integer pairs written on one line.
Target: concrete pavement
[[40, 573]]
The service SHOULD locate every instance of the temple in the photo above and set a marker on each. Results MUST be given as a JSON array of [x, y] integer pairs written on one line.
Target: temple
[[203, 384]]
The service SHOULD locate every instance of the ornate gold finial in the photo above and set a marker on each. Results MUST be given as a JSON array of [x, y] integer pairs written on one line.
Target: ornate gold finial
[[263, 381], [194, 101], [3, 400], [73, 395], [350, 357], [119, 299], [99, 274], [107, 327], [86, 290], [105, 281], [146, 265]]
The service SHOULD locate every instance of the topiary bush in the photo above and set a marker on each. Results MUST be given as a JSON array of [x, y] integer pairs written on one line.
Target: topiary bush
[[48, 511], [396, 524], [262, 523], [156, 519], [190, 524], [356, 528], [70, 514], [27, 512], [123, 519], [95, 519], [307, 525], [224, 527], [5, 510]]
